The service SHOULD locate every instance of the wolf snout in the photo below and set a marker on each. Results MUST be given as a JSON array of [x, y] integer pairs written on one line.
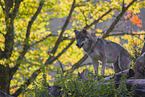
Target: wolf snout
[[79, 45]]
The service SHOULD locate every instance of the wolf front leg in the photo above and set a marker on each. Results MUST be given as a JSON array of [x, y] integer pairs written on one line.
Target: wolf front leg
[[95, 65], [104, 61]]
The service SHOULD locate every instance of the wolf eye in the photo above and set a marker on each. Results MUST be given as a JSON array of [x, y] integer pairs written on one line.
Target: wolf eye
[[82, 38]]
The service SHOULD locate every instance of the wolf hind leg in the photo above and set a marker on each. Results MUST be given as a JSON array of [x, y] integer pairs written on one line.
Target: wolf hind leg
[[124, 62], [116, 68]]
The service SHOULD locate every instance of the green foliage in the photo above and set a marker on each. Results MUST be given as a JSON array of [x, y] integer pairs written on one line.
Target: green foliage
[[72, 86]]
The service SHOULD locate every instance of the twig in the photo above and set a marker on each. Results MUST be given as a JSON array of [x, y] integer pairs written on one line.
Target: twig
[[60, 66], [96, 21], [84, 17], [43, 39]]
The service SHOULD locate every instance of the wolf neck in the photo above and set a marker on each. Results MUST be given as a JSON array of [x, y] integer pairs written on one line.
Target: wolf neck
[[89, 44]]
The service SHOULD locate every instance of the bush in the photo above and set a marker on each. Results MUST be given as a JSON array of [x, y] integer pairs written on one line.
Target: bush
[[73, 87]]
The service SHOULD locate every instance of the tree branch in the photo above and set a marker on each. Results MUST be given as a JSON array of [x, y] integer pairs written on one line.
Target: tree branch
[[63, 28], [16, 8], [33, 19], [84, 17], [8, 6], [78, 64], [116, 20], [96, 21], [61, 66], [43, 39], [63, 38]]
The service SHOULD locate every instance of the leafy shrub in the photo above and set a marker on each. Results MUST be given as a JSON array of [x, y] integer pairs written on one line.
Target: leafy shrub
[[73, 87]]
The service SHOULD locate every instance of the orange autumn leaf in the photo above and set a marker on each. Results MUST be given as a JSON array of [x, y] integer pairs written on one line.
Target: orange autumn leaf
[[128, 14], [129, 11], [72, 19], [135, 20]]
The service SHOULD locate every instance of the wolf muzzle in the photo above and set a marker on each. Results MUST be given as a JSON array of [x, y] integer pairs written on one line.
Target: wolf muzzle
[[79, 46]]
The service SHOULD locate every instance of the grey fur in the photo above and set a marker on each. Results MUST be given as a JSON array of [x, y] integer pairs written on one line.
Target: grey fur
[[104, 50]]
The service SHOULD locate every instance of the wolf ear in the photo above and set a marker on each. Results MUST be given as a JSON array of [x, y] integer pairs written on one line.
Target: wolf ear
[[84, 31], [75, 31]]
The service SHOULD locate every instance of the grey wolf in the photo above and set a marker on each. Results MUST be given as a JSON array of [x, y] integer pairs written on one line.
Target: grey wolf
[[104, 50]]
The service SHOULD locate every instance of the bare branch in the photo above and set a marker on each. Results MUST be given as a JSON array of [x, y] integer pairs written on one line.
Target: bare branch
[[96, 21], [63, 38], [63, 28], [78, 64], [43, 39], [116, 20]]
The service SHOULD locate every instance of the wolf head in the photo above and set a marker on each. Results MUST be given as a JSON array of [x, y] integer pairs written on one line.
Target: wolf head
[[81, 37]]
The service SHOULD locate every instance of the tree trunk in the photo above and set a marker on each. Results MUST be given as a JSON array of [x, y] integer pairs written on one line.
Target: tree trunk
[[4, 79]]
